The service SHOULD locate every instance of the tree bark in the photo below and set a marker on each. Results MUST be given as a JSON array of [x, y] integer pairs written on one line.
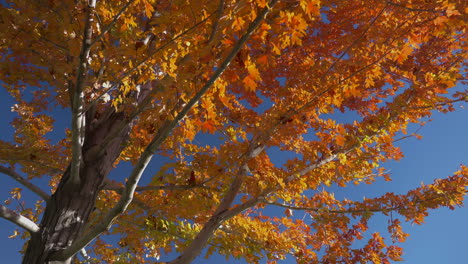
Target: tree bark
[[68, 209]]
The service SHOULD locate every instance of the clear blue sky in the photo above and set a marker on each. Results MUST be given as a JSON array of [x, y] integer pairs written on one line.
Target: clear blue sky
[[442, 239]]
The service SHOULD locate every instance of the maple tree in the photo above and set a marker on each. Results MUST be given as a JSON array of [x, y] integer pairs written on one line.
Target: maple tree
[[147, 79]]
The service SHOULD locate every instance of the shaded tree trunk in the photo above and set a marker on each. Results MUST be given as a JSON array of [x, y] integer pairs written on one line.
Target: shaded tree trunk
[[69, 207]]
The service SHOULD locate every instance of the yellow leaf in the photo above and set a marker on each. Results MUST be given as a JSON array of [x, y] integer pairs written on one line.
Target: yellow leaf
[[238, 23], [253, 71], [276, 50], [262, 3]]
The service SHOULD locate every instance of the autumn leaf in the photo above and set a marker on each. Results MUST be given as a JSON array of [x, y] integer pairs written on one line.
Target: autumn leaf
[[253, 72], [340, 140], [208, 126], [403, 53], [222, 127], [311, 7], [263, 60], [250, 83]]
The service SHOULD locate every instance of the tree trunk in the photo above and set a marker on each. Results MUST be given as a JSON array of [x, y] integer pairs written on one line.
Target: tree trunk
[[69, 207]]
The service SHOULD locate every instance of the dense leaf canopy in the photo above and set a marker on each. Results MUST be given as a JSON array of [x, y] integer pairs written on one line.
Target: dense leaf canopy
[[213, 91]]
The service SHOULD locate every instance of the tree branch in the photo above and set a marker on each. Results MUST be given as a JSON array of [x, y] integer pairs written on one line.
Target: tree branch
[[438, 105], [111, 24], [214, 29], [224, 213], [143, 61], [313, 166], [164, 131], [170, 187], [18, 219], [318, 210], [413, 9], [261, 198], [52, 170], [77, 97], [14, 175], [255, 149], [138, 202], [55, 44], [355, 41]]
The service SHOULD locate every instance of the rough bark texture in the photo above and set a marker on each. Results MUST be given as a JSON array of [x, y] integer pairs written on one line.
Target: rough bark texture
[[70, 206]]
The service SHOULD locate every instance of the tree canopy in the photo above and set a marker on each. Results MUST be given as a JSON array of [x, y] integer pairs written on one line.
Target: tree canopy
[[197, 98]]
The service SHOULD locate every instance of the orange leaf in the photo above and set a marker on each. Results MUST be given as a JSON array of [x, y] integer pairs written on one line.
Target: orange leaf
[[250, 83], [340, 140], [253, 72], [207, 126]]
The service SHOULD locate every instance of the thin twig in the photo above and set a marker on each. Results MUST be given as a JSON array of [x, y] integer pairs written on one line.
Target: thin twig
[[325, 210], [111, 24], [355, 41], [413, 9], [219, 13], [143, 61], [14, 175]]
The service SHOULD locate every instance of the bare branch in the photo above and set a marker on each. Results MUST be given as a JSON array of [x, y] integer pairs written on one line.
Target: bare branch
[[246, 205], [77, 97], [18, 219], [14, 175]]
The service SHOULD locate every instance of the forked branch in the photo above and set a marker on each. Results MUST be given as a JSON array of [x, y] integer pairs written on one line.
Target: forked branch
[[77, 96], [164, 131]]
